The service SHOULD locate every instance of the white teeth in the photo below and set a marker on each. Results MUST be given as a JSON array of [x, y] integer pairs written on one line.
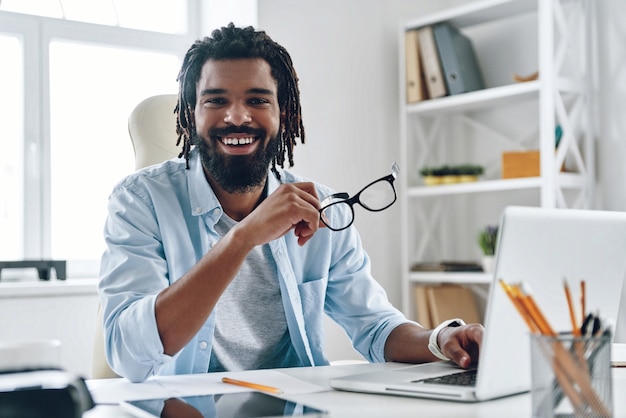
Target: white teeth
[[237, 141]]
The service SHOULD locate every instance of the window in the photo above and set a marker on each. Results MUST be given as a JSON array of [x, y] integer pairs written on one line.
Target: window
[[71, 73], [11, 148], [90, 101], [166, 16], [67, 90]]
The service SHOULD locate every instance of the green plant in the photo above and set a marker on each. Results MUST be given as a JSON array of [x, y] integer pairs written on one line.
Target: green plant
[[441, 171], [487, 239], [452, 170], [426, 171], [471, 169]]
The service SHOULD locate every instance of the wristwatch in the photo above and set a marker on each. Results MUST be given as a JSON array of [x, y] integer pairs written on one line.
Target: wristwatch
[[433, 346]]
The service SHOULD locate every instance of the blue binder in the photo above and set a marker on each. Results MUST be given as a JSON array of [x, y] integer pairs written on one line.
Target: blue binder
[[458, 60]]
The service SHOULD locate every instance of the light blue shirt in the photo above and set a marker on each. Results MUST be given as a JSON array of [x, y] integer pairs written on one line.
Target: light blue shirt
[[161, 222]]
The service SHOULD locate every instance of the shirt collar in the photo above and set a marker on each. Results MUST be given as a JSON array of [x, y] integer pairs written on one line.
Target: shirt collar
[[201, 196]]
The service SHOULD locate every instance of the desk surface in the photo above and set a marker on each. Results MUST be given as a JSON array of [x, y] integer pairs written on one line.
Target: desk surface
[[348, 405]]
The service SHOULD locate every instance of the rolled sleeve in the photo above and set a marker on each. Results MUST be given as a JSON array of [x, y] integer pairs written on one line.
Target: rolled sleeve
[[356, 301]]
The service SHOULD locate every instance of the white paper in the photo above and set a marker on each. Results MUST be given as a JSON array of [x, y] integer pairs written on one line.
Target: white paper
[[211, 383], [112, 391]]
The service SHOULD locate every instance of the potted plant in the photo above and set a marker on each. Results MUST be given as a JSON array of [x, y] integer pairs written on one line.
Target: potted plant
[[449, 174], [428, 174], [487, 239], [470, 172]]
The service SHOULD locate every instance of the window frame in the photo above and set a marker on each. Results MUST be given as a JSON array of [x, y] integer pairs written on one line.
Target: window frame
[[36, 34]]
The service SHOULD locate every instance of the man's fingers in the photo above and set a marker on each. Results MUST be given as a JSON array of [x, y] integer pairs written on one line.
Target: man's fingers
[[462, 344]]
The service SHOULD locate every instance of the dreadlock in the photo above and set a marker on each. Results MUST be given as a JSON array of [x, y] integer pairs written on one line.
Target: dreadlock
[[234, 43]]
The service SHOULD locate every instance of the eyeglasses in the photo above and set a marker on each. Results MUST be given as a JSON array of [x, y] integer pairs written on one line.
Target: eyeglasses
[[337, 210]]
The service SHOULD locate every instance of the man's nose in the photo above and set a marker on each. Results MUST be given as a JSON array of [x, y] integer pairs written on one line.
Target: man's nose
[[237, 114]]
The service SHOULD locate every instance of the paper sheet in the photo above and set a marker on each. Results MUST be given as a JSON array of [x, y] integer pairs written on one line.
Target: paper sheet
[[112, 391]]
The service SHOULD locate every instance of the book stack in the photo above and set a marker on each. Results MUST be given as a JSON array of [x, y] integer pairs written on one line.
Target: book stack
[[437, 303], [440, 61]]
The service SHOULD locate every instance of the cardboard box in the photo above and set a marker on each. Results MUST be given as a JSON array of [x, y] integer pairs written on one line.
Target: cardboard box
[[520, 164]]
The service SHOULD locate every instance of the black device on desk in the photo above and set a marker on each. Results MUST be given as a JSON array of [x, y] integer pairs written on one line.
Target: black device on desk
[[44, 267], [228, 405], [43, 393]]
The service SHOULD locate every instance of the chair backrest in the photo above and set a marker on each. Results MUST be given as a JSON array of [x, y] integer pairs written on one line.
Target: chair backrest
[[152, 130]]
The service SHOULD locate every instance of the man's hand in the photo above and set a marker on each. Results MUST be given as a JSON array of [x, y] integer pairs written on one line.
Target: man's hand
[[461, 344], [408, 343], [292, 206]]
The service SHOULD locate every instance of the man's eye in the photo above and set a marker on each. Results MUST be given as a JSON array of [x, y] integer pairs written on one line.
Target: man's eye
[[258, 101], [214, 101]]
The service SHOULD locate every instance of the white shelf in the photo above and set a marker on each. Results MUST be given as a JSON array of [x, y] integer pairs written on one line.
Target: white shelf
[[445, 277], [491, 97], [477, 12], [476, 99], [567, 180], [515, 116]]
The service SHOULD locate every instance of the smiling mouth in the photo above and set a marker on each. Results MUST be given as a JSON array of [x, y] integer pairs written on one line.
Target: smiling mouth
[[237, 141]]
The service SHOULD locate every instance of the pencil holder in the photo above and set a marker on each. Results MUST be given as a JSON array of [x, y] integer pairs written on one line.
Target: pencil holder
[[571, 376]]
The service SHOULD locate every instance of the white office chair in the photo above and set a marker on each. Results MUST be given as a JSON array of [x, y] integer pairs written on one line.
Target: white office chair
[[152, 130]]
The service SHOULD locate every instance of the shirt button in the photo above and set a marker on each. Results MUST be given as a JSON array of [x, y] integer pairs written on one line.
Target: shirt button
[[203, 345], [197, 210], [216, 211]]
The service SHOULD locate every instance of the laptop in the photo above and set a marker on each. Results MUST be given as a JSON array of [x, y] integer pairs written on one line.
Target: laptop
[[540, 247]]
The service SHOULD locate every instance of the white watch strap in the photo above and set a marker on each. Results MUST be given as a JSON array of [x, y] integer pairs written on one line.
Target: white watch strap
[[433, 346]]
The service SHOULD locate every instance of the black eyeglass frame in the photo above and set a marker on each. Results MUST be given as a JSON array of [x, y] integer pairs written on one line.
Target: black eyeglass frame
[[344, 198]]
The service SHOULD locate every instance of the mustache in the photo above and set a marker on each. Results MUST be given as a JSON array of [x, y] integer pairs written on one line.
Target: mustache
[[230, 130]]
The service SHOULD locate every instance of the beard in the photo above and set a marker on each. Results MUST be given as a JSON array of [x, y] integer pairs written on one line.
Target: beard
[[236, 173]]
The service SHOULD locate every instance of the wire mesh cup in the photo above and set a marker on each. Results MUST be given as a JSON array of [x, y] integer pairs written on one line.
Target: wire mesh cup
[[571, 375]]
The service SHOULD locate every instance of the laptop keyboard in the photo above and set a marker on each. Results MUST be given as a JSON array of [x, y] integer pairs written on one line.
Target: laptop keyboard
[[464, 378]]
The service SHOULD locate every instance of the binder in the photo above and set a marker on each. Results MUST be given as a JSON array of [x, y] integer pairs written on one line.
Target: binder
[[422, 310], [415, 90], [433, 75], [448, 301], [458, 60]]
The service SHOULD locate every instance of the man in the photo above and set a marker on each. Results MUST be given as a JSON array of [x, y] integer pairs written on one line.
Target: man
[[220, 261]]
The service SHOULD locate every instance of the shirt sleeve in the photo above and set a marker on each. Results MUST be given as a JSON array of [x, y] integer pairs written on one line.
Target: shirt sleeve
[[133, 271], [356, 301]]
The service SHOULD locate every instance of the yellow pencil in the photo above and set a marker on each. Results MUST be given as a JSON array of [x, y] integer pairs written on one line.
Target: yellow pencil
[[252, 385], [570, 306]]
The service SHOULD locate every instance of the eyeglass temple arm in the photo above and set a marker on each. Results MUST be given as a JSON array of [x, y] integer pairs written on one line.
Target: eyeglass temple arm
[[395, 169]]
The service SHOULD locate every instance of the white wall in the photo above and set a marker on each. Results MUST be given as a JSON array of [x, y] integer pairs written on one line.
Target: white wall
[[611, 101], [346, 54]]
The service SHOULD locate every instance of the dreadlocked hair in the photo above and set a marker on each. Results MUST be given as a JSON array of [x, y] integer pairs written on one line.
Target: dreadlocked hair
[[231, 42]]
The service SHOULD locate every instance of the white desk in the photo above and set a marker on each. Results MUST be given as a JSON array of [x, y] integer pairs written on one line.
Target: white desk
[[350, 405]]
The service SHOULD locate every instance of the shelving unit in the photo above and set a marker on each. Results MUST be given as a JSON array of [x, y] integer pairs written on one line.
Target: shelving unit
[[509, 36]]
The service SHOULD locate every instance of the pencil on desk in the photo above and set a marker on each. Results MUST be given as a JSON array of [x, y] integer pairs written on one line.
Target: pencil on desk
[[251, 385]]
